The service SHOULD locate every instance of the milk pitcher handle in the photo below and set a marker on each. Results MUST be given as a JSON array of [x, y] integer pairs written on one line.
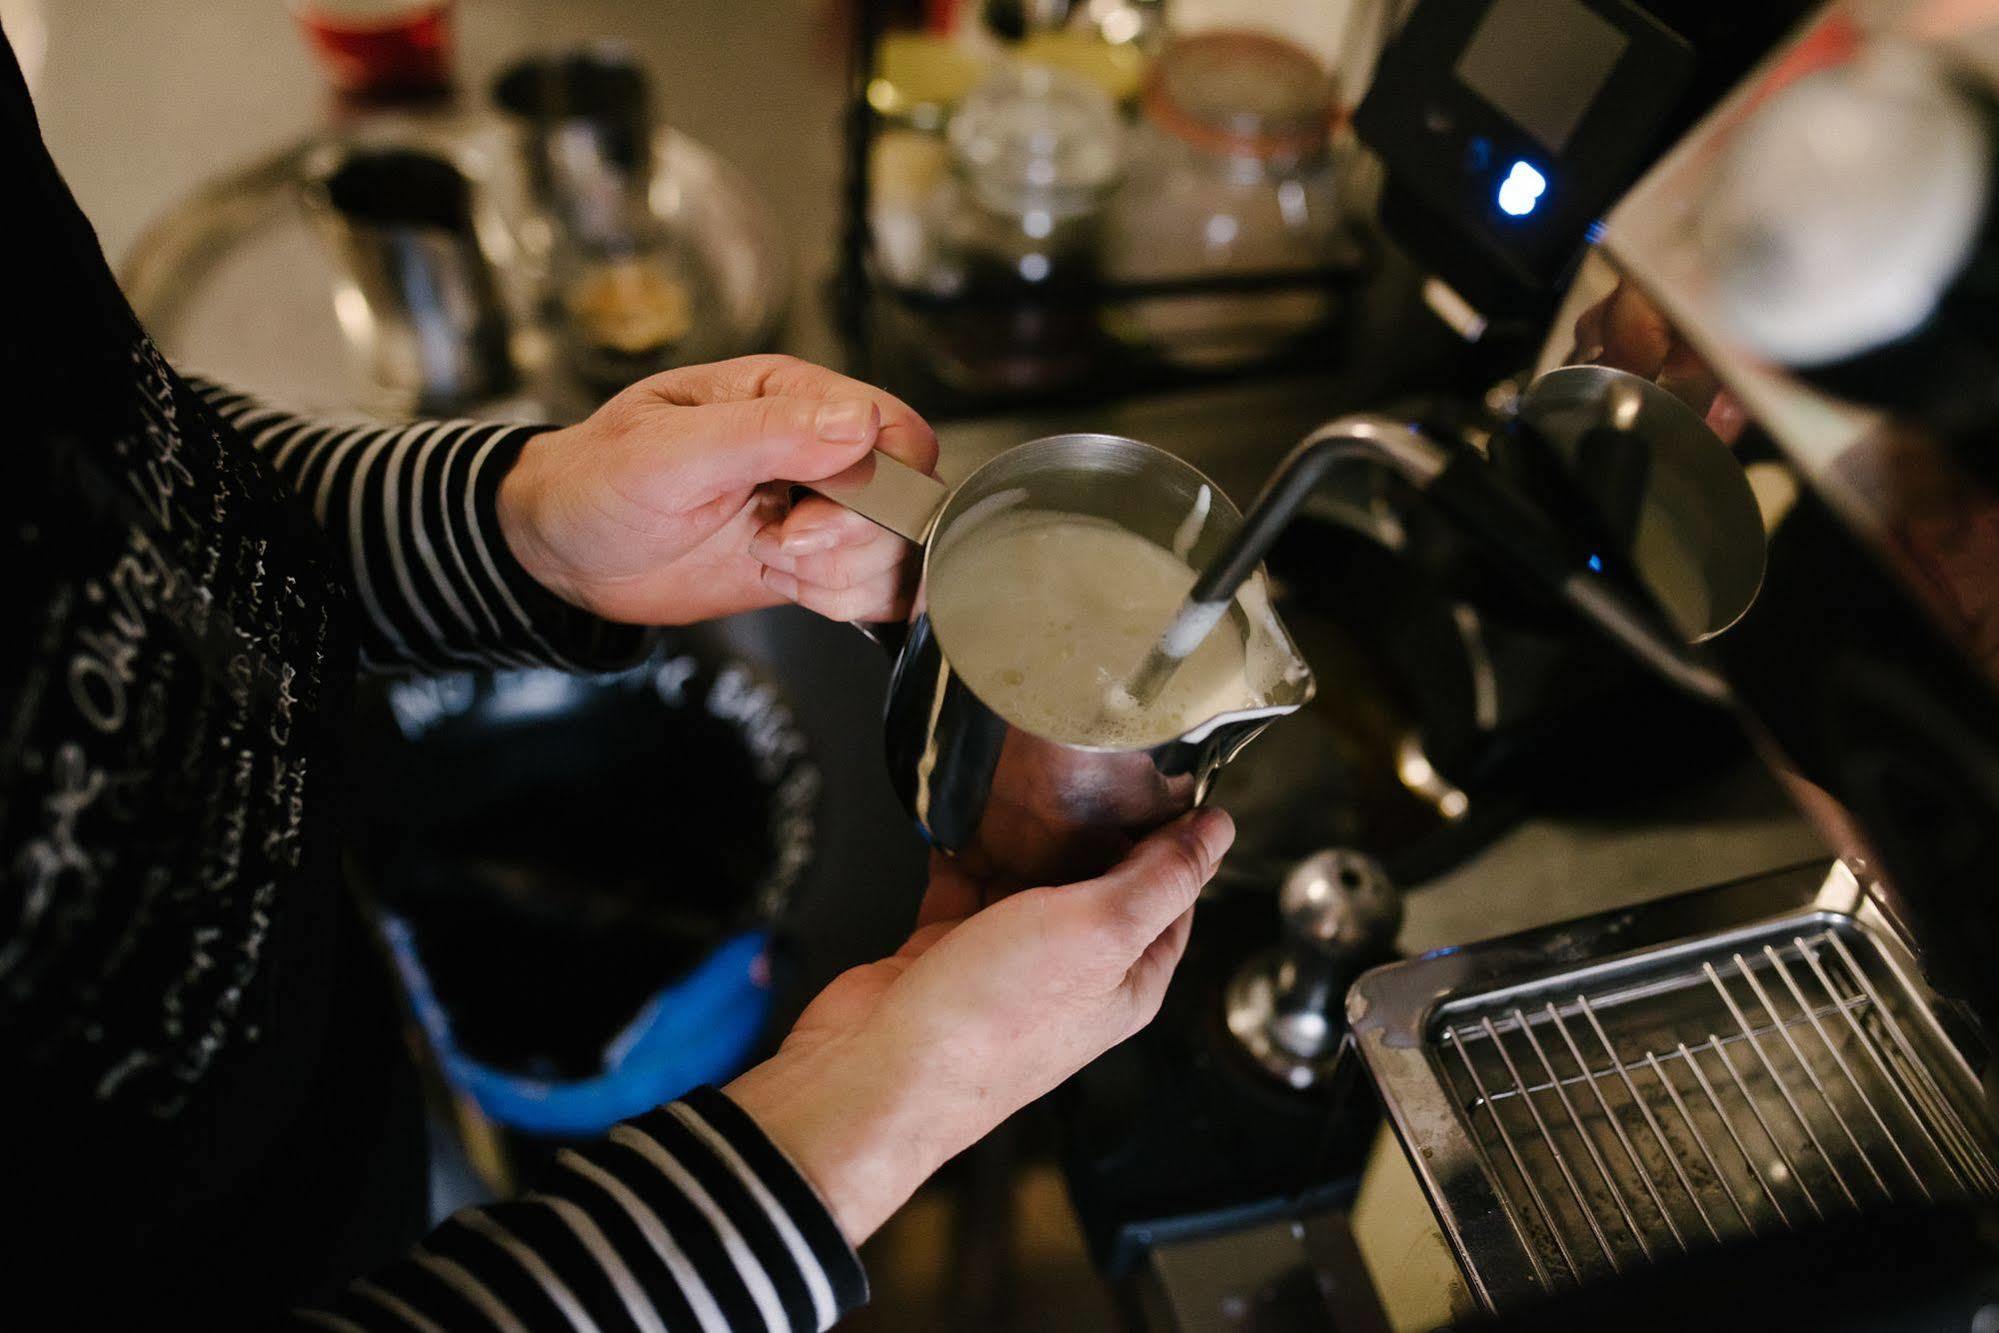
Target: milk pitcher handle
[[890, 492]]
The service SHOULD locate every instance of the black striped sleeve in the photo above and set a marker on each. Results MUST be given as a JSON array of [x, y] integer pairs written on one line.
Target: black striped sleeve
[[686, 1218], [412, 512]]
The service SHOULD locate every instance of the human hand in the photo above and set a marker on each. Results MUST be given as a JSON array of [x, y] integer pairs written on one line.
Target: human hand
[[900, 1065], [669, 504], [1627, 332]]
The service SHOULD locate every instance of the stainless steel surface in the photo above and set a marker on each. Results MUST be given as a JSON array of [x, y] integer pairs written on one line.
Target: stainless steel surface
[[1552, 867], [247, 242], [1288, 1275], [1584, 1100], [416, 291], [1351, 439], [1018, 807], [1390, 442], [888, 491], [1340, 902], [584, 120], [1692, 522], [1797, 1091], [135, 114], [1338, 914], [1695, 533]]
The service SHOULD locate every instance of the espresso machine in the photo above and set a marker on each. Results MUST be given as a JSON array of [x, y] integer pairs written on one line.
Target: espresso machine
[[1767, 1103]]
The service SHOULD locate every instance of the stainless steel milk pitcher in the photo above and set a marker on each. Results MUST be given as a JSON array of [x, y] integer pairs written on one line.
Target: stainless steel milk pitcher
[[1015, 807]]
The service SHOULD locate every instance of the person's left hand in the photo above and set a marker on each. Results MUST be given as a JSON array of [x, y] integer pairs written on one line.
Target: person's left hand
[[901, 1064], [669, 504]]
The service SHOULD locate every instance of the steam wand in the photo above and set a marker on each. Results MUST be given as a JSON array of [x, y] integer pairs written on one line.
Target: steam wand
[[1464, 488]]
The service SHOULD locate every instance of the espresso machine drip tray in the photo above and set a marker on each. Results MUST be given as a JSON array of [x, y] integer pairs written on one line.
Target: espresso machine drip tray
[[1574, 1118], [1772, 1081]]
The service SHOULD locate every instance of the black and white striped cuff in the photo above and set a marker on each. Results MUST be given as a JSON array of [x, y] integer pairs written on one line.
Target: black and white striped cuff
[[686, 1218], [412, 512], [572, 636]]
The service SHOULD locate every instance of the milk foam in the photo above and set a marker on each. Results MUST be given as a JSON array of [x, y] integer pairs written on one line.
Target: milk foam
[[1045, 615]]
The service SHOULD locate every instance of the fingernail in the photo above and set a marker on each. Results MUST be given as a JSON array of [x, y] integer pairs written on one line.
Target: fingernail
[[808, 540], [846, 422], [1216, 831], [781, 583], [766, 546]]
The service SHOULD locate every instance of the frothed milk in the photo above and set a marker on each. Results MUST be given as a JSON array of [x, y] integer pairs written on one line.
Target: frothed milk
[[1046, 615]]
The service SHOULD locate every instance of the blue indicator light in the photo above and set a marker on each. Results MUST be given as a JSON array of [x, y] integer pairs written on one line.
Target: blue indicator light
[[1521, 191], [1596, 563]]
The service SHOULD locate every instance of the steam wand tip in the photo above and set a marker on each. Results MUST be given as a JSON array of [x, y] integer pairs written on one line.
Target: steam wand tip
[[1189, 629], [1377, 438]]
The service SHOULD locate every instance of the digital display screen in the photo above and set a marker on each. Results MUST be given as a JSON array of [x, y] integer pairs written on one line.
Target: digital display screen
[[1541, 63]]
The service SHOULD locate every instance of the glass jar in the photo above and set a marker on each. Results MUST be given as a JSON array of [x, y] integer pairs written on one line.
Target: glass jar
[[616, 285], [1013, 231], [1232, 173], [625, 309]]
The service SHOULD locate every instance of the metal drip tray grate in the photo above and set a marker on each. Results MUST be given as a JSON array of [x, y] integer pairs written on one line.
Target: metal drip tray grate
[[1630, 1113]]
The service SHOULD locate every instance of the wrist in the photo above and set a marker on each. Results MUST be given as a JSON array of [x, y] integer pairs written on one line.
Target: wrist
[[521, 504], [855, 1125]]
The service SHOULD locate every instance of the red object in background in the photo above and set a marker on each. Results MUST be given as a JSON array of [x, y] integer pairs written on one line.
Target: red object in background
[[940, 16], [376, 49]]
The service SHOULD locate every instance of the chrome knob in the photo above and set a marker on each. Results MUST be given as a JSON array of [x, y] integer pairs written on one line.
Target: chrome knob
[[1340, 903], [1338, 915]]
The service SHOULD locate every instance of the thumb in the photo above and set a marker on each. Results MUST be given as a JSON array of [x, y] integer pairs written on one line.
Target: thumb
[[1132, 904], [731, 446]]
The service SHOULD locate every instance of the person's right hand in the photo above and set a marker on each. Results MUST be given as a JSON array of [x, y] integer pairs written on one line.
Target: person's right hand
[[900, 1065], [670, 503], [1627, 332]]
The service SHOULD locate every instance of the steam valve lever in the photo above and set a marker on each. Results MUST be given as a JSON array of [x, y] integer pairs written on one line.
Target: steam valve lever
[[1338, 915]]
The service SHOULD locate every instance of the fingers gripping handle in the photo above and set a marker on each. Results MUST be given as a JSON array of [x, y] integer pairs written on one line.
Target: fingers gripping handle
[[890, 492], [887, 491]]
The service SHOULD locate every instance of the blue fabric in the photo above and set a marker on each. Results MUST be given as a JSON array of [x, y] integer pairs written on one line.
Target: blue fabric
[[698, 1030]]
